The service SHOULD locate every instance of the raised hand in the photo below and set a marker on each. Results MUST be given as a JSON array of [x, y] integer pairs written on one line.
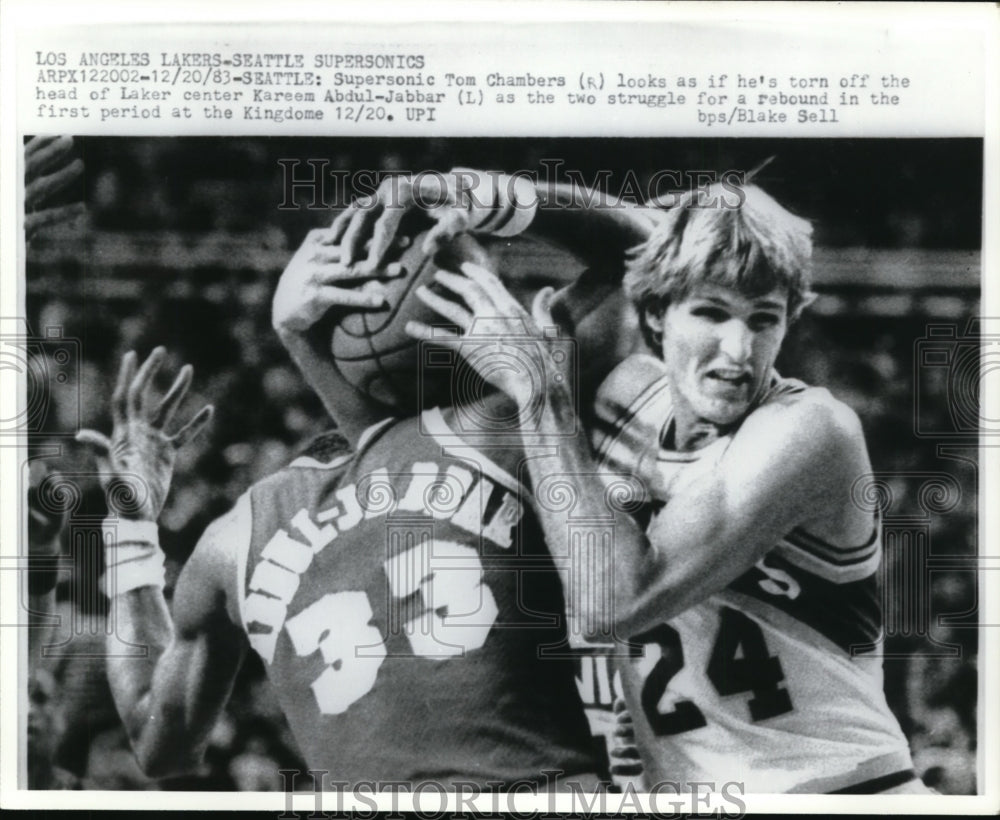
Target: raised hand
[[372, 222], [140, 452], [507, 346], [317, 279]]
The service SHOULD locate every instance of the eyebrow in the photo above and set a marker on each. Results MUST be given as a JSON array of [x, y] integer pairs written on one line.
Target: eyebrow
[[765, 304]]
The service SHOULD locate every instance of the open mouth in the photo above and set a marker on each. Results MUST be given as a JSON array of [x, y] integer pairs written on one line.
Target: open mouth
[[729, 378]]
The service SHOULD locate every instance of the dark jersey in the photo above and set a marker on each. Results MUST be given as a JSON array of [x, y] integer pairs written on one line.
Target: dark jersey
[[402, 599]]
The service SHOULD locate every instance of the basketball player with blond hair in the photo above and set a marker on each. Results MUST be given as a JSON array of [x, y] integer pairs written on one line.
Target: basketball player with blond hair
[[753, 581]]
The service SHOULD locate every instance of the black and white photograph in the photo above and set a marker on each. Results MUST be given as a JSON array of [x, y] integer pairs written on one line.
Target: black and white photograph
[[504, 463], [590, 409]]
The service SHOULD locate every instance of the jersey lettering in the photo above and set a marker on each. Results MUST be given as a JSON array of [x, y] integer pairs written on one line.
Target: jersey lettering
[[451, 603], [382, 574], [778, 582]]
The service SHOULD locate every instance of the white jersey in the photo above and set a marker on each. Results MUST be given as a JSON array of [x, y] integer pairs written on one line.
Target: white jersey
[[767, 682]]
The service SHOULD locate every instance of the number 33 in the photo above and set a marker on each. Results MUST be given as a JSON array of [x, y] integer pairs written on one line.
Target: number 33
[[456, 617]]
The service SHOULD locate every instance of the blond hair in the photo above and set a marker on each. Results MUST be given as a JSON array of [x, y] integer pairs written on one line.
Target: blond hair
[[752, 246]]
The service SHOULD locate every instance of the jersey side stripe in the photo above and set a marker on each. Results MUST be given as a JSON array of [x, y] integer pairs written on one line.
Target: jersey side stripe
[[650, 394], [800, 538], [671, 457], [371, 430], [826, 569], [834, 558], [654, 393], [879, 767]]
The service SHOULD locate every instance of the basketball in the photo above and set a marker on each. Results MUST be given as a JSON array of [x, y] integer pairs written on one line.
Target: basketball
[[371, 348]]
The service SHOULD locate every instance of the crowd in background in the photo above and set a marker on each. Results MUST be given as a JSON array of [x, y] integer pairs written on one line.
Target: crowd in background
[[179, 193]]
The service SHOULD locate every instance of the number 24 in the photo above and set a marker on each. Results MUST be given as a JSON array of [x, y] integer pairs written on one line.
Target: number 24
[[756, 671]]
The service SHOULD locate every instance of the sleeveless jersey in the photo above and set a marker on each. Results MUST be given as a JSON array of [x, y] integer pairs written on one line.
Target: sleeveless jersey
[[766, 682], [402, 600]]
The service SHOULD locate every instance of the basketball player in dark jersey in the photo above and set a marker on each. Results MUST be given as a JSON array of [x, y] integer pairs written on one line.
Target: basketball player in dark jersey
[[401, 596]]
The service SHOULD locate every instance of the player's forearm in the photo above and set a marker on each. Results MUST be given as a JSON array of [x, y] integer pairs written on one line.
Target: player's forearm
[[596, 551], [143, 621], [352, 411], [729, 508], [148, 686], [598, 228], [161, 697]]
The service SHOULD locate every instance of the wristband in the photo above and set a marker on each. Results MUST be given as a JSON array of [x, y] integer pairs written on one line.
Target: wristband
[[476, 192], [519, 198], [498, 204], [132, 556]]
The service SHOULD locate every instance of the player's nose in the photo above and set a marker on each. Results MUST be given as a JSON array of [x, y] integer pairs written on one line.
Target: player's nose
[[735, 341]]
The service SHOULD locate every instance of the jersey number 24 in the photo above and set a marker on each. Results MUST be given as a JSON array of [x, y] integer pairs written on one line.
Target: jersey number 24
[[729, 670]]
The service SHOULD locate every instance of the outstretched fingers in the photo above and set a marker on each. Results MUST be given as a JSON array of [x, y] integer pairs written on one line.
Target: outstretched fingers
[[338, 227], [126, 373], [42, 153], [383, 236], [365, 213], [136, 396], [492, 287], [464, 287], [193, 427], [325, 255], [100, 442], [541, 307], [41, 190], [451, 311], [427, 333], [371, 295], [172, 400]]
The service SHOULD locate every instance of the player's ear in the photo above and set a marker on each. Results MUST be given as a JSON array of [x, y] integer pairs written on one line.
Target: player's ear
[[651, 324], [653, 315]]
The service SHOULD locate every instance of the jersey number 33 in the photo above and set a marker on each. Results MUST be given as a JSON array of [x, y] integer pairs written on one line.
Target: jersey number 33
[[456, 614]]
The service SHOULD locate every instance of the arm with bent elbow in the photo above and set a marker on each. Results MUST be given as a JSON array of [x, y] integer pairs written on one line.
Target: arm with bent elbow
[[786, 465]]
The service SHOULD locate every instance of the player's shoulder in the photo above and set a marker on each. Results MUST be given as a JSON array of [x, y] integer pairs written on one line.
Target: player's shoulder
[[327, 451], [635, 390], [796, 410], [635, 375], [805, 440], [225, 543], [324, 455], [630, 407]]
